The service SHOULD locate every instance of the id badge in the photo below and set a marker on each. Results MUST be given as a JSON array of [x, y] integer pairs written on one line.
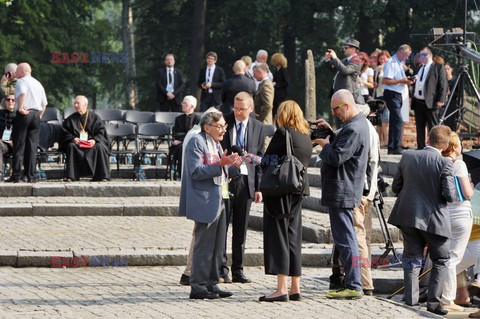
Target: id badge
[[83, 136], [170, 88], [7, 133], [225, 191], [243, 169]]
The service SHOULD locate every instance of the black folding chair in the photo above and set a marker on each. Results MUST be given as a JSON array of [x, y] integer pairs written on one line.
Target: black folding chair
[[138, 117], [121, 134], [150, 136], [112, 116], [52, 116], [166, 117]]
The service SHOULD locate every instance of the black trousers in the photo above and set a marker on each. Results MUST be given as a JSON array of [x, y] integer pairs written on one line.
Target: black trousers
[[25, 137], [238, 214], [282, 236], [170, 106], [423, 117], [208, 100]]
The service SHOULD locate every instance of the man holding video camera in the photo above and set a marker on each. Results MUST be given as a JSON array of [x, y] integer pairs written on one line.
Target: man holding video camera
[[344, 165], [9, 80]]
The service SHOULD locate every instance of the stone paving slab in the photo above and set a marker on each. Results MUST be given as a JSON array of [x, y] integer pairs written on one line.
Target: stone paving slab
[[154, 292]]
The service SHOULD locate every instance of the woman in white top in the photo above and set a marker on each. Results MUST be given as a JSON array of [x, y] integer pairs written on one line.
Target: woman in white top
[[382, 57], [365, 80], [460, 220]]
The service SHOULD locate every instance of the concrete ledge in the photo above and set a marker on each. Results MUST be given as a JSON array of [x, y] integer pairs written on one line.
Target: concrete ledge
[[79, 209], [48, 189], [16, 210], [15, 190], [39, 258], [150, 210], [112, 189]]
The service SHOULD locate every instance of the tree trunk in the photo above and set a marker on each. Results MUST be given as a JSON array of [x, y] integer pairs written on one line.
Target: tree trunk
[[129, 48], [198, 45]]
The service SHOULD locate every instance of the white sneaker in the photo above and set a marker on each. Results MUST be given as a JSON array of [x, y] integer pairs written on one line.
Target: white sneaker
[[453, 308]]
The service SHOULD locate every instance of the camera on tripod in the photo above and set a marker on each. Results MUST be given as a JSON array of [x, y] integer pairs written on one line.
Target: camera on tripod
[[376, 109], [382, 185]]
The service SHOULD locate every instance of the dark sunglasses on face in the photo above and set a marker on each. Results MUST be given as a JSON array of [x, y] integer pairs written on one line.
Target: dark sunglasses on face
[[10, 100]]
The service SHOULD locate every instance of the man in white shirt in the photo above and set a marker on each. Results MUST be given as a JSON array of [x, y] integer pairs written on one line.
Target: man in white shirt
[[31, 102], [430, 94], [262, 57]]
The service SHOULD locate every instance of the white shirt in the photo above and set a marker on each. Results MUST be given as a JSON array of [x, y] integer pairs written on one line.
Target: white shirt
[[421, 79], [208, 79], [393, 69], [168, 78], [363, 90], [35, 98]]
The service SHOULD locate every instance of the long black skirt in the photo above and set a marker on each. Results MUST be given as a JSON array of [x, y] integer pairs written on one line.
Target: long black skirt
[[282, 235]]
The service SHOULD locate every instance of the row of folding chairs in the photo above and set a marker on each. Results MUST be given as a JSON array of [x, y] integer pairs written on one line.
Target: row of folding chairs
[[53, 115]]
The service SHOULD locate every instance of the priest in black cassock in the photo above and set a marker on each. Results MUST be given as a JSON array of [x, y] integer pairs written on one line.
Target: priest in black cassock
[[183, 124], [86, 144]]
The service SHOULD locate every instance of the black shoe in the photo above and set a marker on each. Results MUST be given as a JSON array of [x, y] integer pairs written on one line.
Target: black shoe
[[368, 292], [99, 180], [240, 278], [336, 283], [396, 151], [225, 279], [273, 299], [32, 180], [439, 311], [12, 180], [295, 297], [223, 293], [204, 295], [185, 280]]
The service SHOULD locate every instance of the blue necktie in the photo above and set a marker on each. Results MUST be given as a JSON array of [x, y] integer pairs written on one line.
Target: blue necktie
[[240, 135]]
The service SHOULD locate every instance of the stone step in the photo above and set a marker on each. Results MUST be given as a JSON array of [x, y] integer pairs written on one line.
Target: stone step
[[89, 206], [316, 226], [114, 188]]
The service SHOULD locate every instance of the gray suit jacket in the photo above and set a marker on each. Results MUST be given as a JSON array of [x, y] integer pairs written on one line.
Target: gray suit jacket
[[436, 86], [348, 72], [424, 184], [200, 197]]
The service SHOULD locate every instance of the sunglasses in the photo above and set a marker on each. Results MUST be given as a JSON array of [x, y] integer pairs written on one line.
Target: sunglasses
[[10, 100]]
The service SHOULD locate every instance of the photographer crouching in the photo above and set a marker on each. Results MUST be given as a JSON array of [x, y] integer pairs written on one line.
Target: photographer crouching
[[344, 165]]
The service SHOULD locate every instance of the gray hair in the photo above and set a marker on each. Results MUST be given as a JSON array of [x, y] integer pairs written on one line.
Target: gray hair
[[261, 52], [209, 118], [191, 100], [10, 67], [261, 66]]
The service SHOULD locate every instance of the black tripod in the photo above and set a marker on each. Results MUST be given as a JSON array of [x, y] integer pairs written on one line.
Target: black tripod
[[457, 91], [378, 205]]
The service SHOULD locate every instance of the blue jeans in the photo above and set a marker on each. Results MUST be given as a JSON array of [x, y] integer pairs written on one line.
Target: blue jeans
[[345, 239]]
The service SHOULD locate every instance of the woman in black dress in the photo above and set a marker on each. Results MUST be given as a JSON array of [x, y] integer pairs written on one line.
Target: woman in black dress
[[282, 215], [281, 80]]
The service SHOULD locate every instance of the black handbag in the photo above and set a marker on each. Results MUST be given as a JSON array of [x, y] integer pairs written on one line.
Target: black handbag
[[286, 177]]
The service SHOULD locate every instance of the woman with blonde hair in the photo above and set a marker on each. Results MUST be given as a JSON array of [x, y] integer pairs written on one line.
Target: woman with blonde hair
[[248, 62], [282, 215], [281, 80], [460, 221]]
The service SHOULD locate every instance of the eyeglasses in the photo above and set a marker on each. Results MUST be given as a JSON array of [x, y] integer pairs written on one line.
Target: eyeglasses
[[10, 100], [220, 127], [239, 110], [337, 107]]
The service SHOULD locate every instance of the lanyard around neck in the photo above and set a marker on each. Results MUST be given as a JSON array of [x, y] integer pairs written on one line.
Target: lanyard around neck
[[84, 126]]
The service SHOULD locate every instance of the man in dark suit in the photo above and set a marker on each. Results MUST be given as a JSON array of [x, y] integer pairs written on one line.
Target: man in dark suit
[[210, 80], [247, 133], [234, 85], [424, 184], [170, 86], [347, 70], [265, 93], [202, 195], [430, 94]]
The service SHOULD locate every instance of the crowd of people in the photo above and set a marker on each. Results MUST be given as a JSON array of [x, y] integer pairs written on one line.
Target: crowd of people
[[224, 153]]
